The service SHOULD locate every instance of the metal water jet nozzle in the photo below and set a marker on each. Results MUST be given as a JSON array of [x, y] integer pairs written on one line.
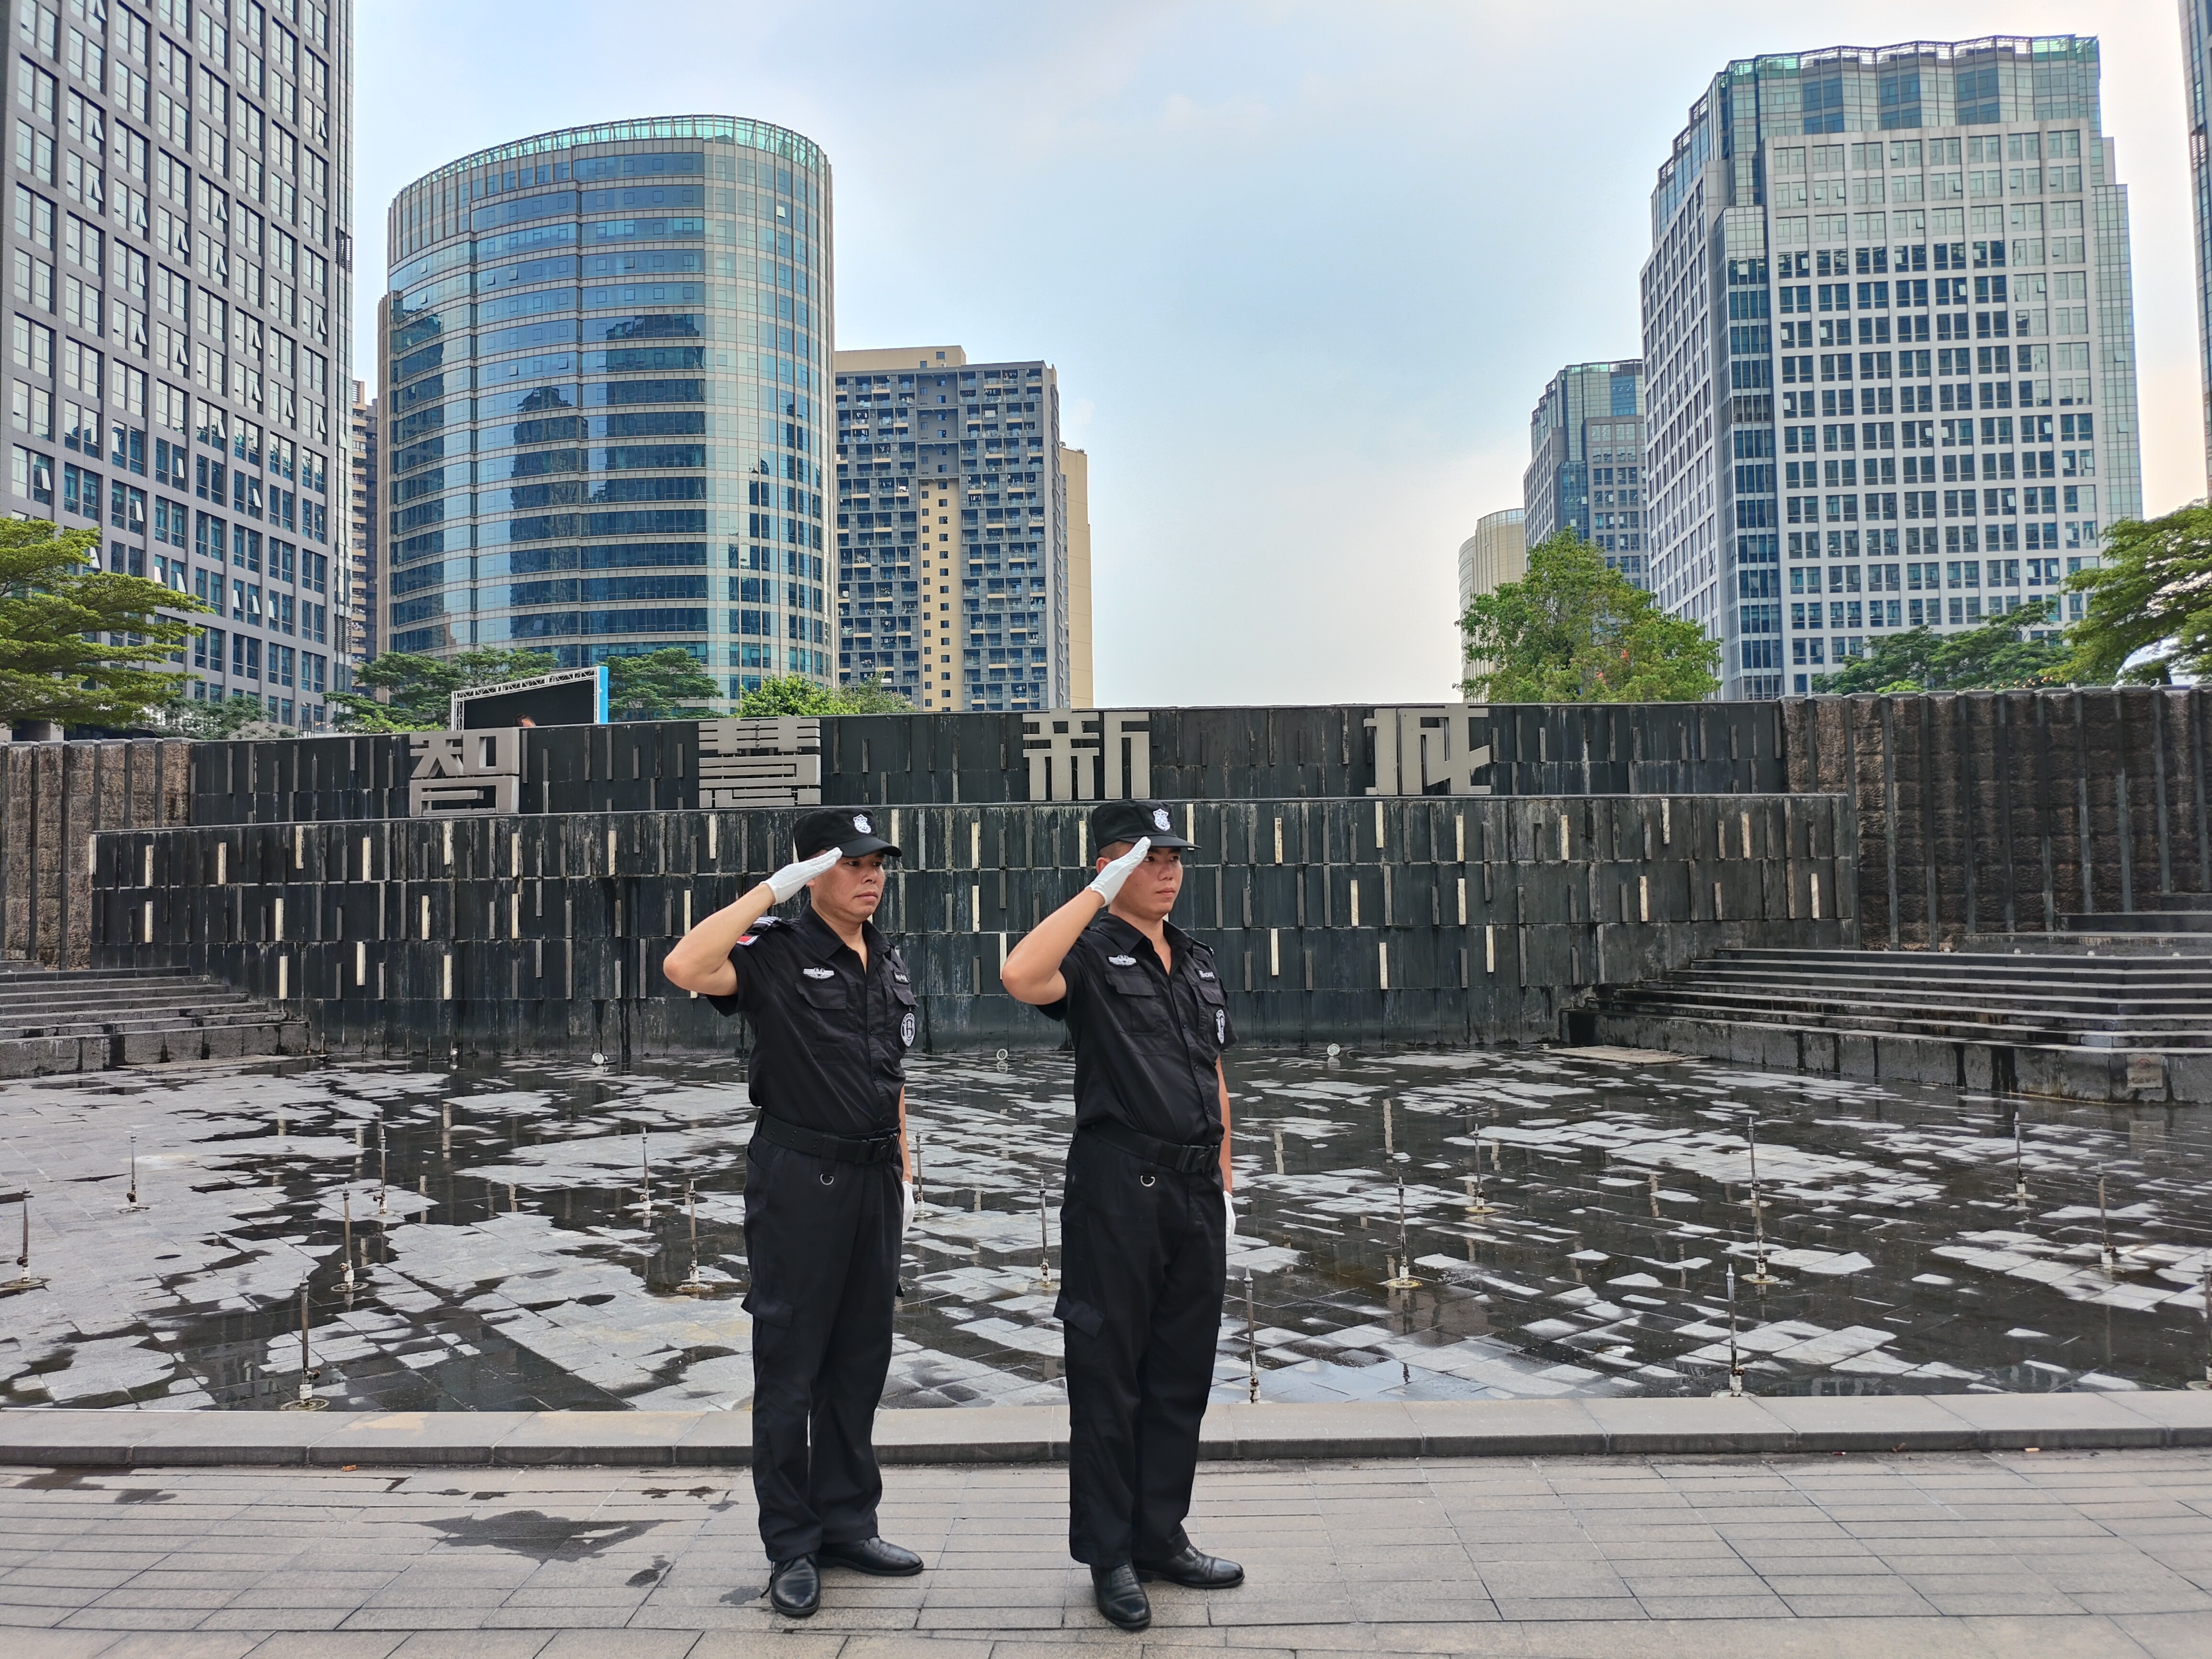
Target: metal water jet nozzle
[[131, 1197], [1403, 1280], [1251, 1341], [1044, 1242], [1759, 1275], [693, 1285], [2104, 1227], [1735, 1360], [307, 1400], [644, 1175], [2204, 1303], [2019, 1166], [348, 1280]]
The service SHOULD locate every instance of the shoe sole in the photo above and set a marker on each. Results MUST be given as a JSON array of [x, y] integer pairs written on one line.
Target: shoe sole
[[1143, 1578], [794, 1613], [1145, 1623]]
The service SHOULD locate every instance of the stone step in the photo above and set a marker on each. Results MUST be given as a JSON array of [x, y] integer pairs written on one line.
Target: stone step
[[1666, 1001], [1974, 967], [2157, 982], [91, 1019], [182, 999], [46, 1056]]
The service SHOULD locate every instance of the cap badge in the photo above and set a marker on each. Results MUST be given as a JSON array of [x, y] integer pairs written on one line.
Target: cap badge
[[819, 973], [1160, 820], [861, 823], [1123, 961]]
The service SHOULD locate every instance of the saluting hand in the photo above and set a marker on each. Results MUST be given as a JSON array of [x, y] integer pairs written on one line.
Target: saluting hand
[[788, 880], [1108, 880]]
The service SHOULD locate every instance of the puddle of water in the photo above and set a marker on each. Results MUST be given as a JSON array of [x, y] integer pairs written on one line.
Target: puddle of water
[[520, 1234]]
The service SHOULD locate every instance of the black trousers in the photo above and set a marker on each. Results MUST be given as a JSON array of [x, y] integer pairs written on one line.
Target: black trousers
[[1143, 1254], [822, 1239]]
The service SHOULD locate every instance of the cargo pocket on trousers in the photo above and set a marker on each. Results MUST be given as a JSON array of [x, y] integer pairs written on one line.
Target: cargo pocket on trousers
[[768, 1310], [1081, 1314]]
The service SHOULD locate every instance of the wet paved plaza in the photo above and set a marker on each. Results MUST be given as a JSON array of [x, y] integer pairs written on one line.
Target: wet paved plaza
[[521, 1235]]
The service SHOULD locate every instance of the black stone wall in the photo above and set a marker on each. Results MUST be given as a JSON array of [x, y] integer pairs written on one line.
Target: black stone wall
[[887, 760], [1421, 919]]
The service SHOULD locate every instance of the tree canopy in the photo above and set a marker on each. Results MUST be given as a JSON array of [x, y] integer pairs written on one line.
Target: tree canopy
[[1575, 630], [79, 645], [793, 695], [422, 687], [658, 686], [2149, 619], [1993, 657]]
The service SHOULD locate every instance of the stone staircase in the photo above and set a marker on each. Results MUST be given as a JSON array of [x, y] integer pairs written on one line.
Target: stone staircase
[[2123, 1026], [87, 1019]]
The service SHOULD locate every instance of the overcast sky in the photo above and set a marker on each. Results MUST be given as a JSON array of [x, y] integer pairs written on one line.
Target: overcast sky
[[1304, 267]]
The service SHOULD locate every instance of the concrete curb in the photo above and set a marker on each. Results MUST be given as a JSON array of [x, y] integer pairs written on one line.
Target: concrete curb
[[1498, 1428]]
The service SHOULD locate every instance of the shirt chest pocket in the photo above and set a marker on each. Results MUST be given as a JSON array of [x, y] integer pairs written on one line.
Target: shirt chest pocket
[[1213, 1012], [830, 997], [1137, 1001]]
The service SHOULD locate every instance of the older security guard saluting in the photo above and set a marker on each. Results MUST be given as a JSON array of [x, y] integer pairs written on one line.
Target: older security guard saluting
[[828, 1189], [1146, 1214]]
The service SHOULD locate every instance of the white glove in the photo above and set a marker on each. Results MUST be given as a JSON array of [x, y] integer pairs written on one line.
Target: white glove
[[792, 877], [906, 1209], [1107, 882], [1229, 1204]]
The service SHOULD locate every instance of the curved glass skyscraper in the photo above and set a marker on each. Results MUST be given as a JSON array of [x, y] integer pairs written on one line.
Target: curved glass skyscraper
[[606, 352]]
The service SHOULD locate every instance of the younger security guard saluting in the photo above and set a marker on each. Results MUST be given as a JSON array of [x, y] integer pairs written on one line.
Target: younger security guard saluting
[[828, 1189], [1146, 1215]]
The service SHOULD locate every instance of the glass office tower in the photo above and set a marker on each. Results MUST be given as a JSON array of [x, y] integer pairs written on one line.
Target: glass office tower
[[606, 354], [1585, 456], [1889, 347], [2197, 71], [180, 277]]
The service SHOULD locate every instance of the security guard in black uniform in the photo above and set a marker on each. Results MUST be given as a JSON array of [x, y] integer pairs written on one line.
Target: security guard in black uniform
[[829, 1189], [1146, 1213]]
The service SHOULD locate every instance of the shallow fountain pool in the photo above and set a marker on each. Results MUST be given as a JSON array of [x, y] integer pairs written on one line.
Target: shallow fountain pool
[[521, 1235]]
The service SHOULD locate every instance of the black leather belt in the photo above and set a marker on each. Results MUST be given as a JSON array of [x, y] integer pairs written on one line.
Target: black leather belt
[[876, 1149], [1184, 1158]]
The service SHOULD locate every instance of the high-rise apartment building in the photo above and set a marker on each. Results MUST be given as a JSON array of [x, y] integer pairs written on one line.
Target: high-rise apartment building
[[952, 530], [2197, 73], [179, 269], [1586, 460], [361, 560], [1890, 342], [605, 356], [1075, 482], [1497, 553]]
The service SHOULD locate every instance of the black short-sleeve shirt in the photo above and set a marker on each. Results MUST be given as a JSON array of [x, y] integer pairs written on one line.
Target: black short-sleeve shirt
[[831, 1035], [1147, 1039]]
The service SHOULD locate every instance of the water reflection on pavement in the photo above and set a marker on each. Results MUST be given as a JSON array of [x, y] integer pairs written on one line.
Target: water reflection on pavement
[[522, 1235]]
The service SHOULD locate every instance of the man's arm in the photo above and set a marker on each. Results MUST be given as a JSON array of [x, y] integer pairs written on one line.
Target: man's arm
[[700, 961], [1228, 1174], [1032, 971]]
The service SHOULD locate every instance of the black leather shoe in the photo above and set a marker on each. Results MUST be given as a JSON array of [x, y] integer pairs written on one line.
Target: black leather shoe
[[1120, 1597], [1192, 1569], [872, 1555], [794, 1588]]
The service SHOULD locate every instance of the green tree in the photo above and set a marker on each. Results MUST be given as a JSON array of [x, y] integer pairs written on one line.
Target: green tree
[[2154, 590], [422, 687], [665, 684], [216, 720], [1993, 657], [1573, 630], [79, 645], [871, 697], [793, 695]]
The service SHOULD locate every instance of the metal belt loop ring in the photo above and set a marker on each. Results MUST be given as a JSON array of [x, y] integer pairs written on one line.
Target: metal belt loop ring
[[1148, 1180], [829, 1179]]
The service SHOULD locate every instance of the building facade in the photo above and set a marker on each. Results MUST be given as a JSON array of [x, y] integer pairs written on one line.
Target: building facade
[[1586, 460], [952, 530], [1497, 553], [1075, 484], [362, 587], [1951, 212], [606, 354], [180, 278], [2197, 71]]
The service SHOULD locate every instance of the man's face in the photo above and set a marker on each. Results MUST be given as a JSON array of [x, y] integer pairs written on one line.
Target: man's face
[[850, 889], [1150, 893]]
